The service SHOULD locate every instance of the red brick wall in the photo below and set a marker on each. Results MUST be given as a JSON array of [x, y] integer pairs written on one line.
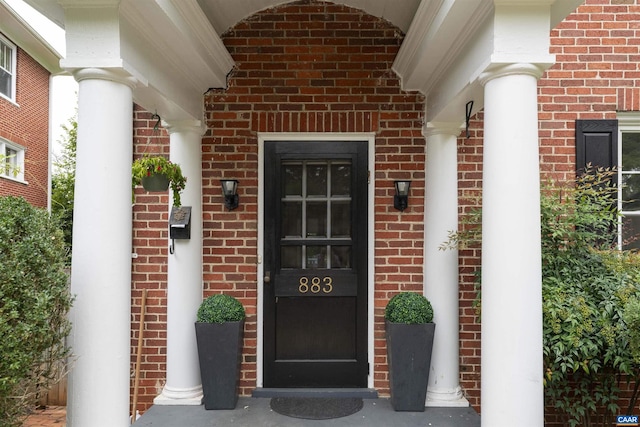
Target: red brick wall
[[469, 192], [26, 123], [597, 73], [149, 266], [312, 67]]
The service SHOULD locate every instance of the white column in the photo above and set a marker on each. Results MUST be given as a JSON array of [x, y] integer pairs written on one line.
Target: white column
[[441, 267], [184, 274], [99, 380], [512, 389]]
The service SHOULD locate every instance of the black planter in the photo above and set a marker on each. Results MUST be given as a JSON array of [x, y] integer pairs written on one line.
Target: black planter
[[409, 358], [155, 183], [220, 353]]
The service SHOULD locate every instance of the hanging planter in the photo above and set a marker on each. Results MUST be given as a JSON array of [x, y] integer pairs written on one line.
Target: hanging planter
[[156, 173], [155, 183]]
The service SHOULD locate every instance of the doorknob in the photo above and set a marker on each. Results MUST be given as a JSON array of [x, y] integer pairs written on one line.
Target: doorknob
[[267, 277]]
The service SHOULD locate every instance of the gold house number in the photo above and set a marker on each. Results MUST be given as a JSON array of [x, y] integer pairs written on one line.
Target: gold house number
[[317, 284]]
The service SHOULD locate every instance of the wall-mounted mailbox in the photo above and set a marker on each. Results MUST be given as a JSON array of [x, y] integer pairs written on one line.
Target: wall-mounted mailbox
[[180, 222]]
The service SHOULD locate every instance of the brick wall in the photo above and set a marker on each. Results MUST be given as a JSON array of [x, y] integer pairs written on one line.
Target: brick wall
[[597, 73], [26, 123], [149, 266], [469, 192], [312, 67]]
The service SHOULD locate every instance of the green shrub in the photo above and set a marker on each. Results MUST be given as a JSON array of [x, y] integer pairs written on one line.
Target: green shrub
[[631, 318], [587, 286], [410, 308], [34, 301], [220, 308]]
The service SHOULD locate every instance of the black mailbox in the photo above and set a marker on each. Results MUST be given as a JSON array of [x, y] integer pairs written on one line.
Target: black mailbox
[[180, 222]]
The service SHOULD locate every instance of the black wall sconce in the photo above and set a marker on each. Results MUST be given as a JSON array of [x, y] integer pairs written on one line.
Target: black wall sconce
[[401, 199], [230, 193]]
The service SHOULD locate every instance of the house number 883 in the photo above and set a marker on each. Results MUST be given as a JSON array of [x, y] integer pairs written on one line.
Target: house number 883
[[315, 285]]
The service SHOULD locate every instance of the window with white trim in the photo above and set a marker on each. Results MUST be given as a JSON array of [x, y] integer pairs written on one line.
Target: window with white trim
[[629, 180], [7, 69], [12, 160]]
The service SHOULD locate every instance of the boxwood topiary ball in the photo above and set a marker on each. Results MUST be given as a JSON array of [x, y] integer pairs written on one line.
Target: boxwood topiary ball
[[410, 308], [220, 308]]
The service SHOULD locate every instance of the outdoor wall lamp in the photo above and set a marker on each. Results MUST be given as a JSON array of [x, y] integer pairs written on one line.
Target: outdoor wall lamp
[[230, 193], [401, 199]]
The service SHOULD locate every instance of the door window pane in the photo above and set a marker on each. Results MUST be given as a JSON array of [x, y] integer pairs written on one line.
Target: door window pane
[[316, 180], [341, 257], [316, 257], [291, 256], [316, 219], [291, 219], [340, 180], [292, 180], [341, 219]]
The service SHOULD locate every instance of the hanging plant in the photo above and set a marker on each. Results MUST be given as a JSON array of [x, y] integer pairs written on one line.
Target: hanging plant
[[156, 173]]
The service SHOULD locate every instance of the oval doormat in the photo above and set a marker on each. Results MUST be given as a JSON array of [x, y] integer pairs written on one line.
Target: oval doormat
[[316, 408]]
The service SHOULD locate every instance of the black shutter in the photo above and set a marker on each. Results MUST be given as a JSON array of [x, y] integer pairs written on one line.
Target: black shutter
[[597, 147], [596, 144]]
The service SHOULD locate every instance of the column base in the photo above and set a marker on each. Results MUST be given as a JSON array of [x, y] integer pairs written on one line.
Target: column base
[[179, 396], [446, 399]]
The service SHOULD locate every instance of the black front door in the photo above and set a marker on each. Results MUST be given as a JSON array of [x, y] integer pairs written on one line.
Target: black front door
[[315, 264]]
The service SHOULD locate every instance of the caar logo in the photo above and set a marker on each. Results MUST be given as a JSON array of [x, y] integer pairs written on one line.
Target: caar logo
[[627, 420]]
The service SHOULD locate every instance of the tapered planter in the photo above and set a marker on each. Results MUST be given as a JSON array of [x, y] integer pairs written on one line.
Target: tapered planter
[[409, 358], [155, 183], [220, 353]]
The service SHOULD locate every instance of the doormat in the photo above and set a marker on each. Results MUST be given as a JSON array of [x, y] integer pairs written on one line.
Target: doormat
[[316, 408]]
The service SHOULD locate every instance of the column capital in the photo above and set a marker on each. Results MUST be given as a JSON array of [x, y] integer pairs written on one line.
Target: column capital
[[442, 128], [493, 72], [111, 74], [178, 126]]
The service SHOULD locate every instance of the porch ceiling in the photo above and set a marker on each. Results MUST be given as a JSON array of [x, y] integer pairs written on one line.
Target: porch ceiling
[[175, 50]]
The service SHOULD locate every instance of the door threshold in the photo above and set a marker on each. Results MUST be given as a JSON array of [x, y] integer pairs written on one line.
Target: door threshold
[[364, 393]]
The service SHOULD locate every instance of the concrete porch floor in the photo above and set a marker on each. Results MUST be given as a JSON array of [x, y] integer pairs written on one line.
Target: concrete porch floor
[[252, 411]]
